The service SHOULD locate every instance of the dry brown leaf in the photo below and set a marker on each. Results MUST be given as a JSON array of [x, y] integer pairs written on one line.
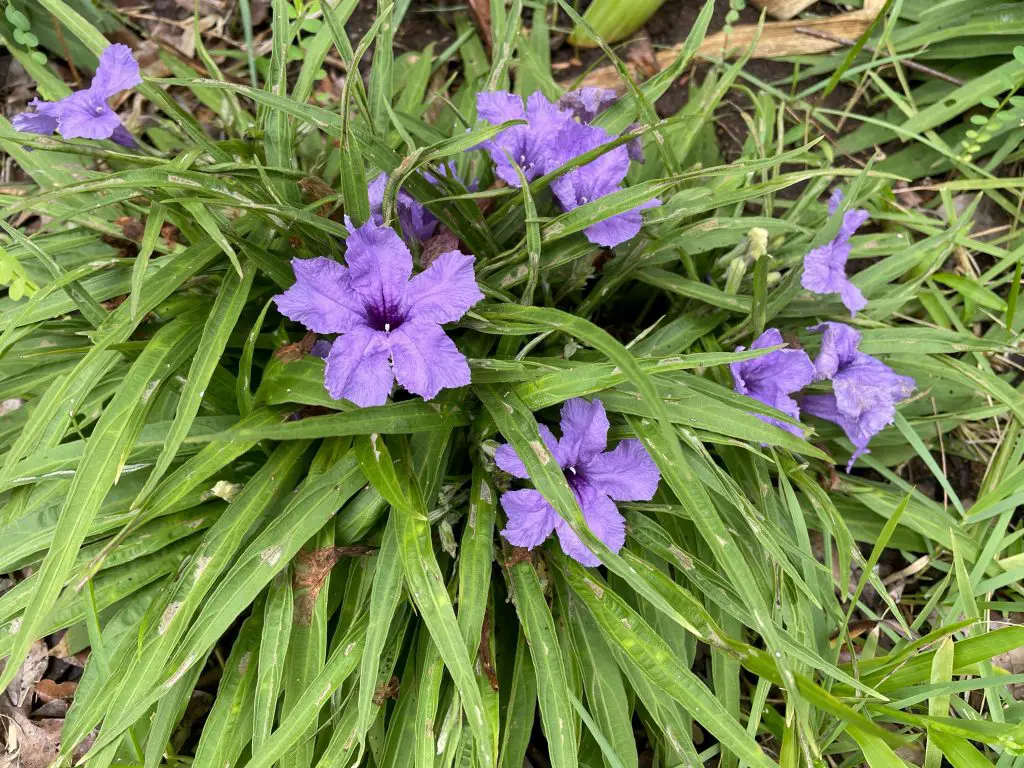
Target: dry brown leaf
[[777, 38], [48, 690], [783, 9], [289, 353], [30, 743], [442, 242], [311, 570], [641, 55], [482, 14], [1013, 662], [31, 672]]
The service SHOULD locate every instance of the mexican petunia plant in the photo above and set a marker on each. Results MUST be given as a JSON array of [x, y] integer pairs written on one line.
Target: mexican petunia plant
[[318, 374]]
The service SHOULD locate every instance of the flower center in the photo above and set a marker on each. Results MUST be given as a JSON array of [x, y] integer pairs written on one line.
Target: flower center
[[385, 319], [98, 111], [572, 477]]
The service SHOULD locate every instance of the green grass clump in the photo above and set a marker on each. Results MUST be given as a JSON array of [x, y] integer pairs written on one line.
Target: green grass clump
[[197, 511]]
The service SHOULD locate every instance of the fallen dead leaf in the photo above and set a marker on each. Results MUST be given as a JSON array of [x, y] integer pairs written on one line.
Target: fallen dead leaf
[[311, 570], [442, 242], [31, 672], [289, 353], [31, 743], [1012, 662], [780, 38], [482, 15], [783, 9], [641, 55], [48, 690]]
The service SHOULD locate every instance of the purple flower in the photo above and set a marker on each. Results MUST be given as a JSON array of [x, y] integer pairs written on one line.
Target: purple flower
[[772, 378], [417, 222], [595, 476], [527, 146], [598, 178], [86, 114], [389, 321], [865, 390], [825, 266], [587, 103]]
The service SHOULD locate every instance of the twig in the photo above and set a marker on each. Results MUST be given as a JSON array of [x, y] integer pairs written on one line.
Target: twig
[[908, 63]]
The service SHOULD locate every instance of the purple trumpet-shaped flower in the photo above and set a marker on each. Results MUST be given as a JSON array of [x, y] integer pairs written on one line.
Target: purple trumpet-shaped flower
[[85, 114], [587, 103], [596, 477], [773, 378], [598, 178], [825, 266], [527, 146], [389, 321], [865, 390]]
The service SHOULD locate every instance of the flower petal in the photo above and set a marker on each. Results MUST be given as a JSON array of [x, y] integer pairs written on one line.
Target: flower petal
[[825, 267], [620, 228], [498, 107], [603, 519], [426, 360], [785, 370], [587, 103], [321, 298], [780, 401], [118, 71], [358, 367], [85, 115], [852, 221], [530, 518], [584, 431], [867, 385], [838, 348], [835, 200], [508, 460], [375, 194], [44, 120], [379, 267], [627, 473], [122, 137], [825, 407], [852, 298], [444, 291]]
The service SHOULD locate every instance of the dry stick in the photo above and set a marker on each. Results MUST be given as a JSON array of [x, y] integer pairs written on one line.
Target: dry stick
[[908, 63]]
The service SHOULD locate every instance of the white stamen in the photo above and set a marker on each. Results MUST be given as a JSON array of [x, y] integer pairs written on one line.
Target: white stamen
[[584, 200], [387, 327]]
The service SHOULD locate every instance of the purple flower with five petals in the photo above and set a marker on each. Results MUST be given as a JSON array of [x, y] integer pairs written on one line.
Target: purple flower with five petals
[[597, 478], [772, 378], [601, 176], [85, 114], [825, 266], [527, 146], [389, 321], [865, 390]]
